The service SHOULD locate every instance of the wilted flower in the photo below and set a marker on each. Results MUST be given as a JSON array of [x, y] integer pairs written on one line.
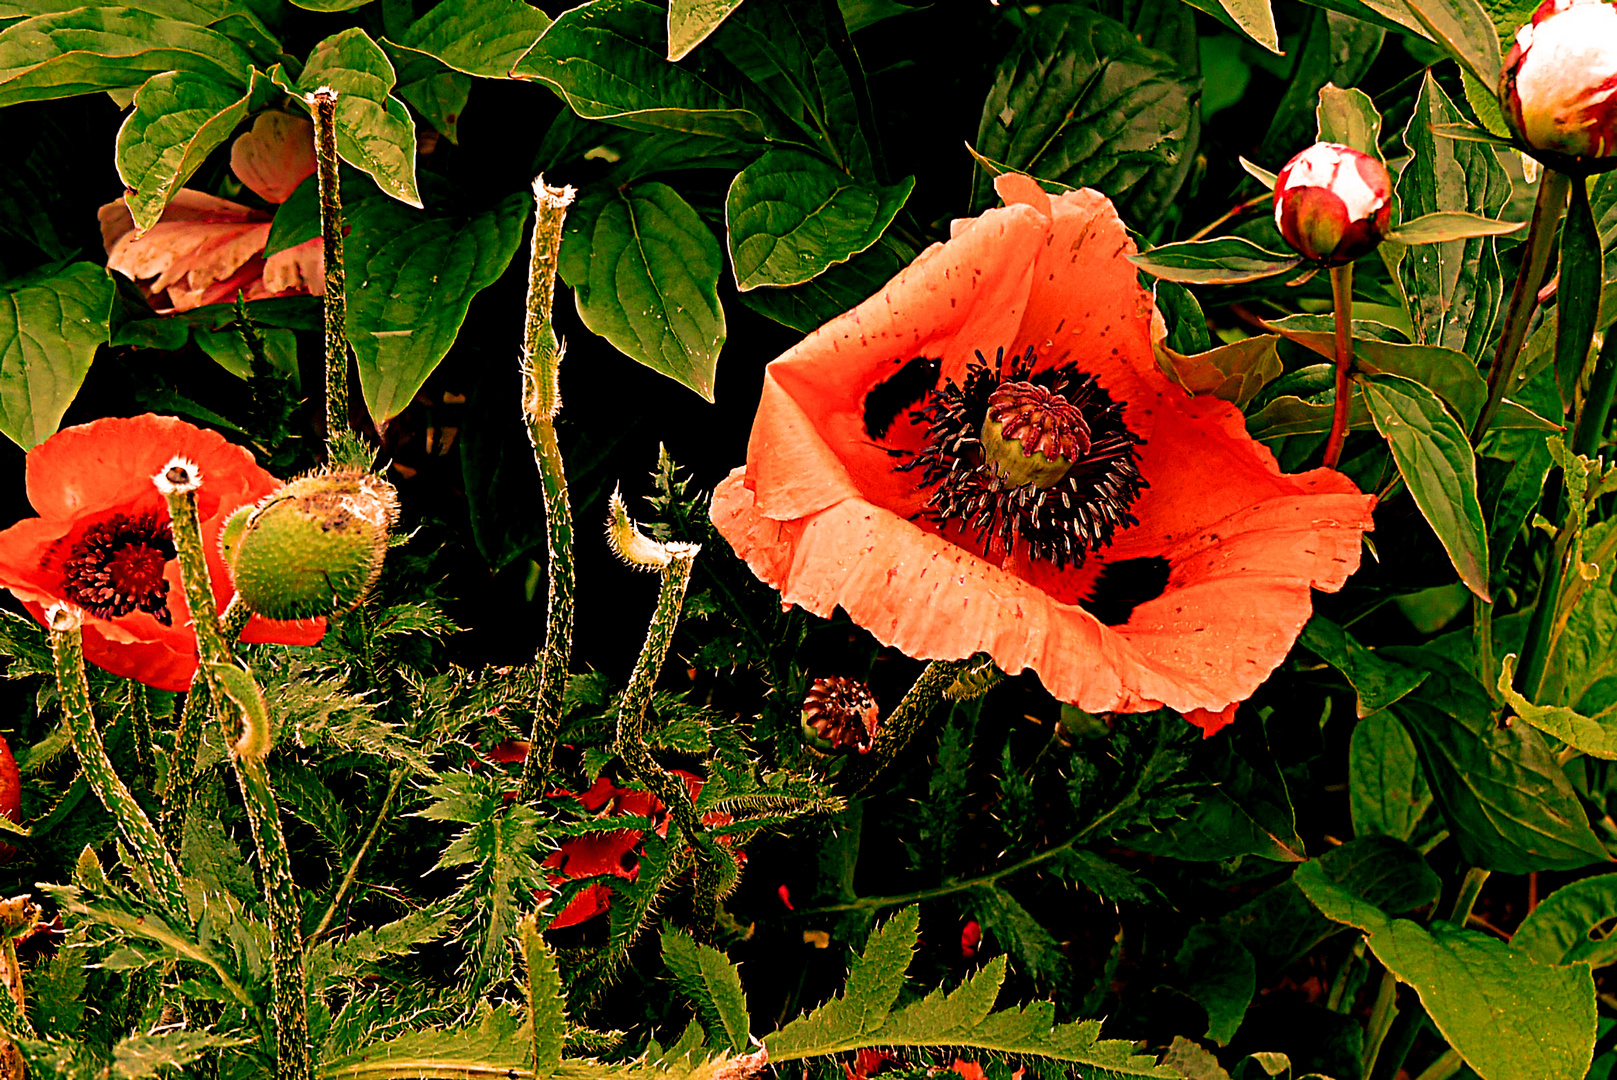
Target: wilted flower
[[1333, 203], [1557, 82], [1169, 564], [204, 249]]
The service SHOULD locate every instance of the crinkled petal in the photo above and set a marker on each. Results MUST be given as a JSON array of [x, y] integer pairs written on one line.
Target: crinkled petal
[[301, 267]]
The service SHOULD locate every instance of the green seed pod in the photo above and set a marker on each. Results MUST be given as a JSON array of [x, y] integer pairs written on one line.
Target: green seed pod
[[314, 547]]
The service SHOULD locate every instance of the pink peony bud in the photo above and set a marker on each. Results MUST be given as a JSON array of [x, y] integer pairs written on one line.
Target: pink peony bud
[[1333, 203], [1559, 78]]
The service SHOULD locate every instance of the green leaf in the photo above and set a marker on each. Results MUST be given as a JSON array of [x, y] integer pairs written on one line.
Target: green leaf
[[1349, 117], [1466, 131], [1080, 101], [547, 1015], [689, 24], [602, 59], [437, 92], [1508, 16], [1510, 1017], [1465, 31], [1233, 372], [478, 37], [1449, 374], [712, 983], [50, 326], [1435, 459], [1256, 20], [139, 1056], [1288, 414], [1224, 261], [814, 303], [1454, 286], [1386, 791], [1578, 295], [645, 271], [1567, 926], [411, 278], [1332, 50], [1219, 972], [873, 986], [297, 220], [109, 48], [330, 5], [1596, 737], [178, 120], [374, 131], [1449, 225], [1377, 681], [791, 216], [499, 1045]]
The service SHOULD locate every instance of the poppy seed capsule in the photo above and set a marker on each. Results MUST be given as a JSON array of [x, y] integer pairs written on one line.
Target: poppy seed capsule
[[1332, 203], [1033, 435], [839, 713], [312, 548], [1559, 78]]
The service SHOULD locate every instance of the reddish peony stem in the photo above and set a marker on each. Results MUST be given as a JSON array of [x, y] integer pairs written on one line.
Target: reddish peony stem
[[1342, 295]]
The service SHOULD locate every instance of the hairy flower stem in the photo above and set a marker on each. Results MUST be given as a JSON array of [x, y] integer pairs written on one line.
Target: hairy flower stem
[[245, 721], [1538, 249], [541, 401], [1342, 296], [1589, 431], [140, 726], [182, 758], [136, 829], [898, 729], [323, 104]]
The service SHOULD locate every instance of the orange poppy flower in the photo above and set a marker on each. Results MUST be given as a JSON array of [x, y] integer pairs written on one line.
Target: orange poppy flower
[[102, 542], [204, 249], [985, 456]]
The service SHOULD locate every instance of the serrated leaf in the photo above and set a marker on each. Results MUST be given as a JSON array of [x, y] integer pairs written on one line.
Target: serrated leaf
[[88, 49], [1227, 260], [941, 1018], [478, 37], [139, 1056], [1386, 791], [689, 24], [1565, 928], [498, 1045], [1435, 459], [791, 216], [1350, 118], [645, 271], [713, 985], [51, 323], [178, 120], [1079, 100], [1509, 1017], [411, 278], [374, 131], [547, 1015], [873, 985], [1233, 372]]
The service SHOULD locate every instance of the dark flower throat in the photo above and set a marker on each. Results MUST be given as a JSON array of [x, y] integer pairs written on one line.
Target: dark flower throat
[[117, 567]]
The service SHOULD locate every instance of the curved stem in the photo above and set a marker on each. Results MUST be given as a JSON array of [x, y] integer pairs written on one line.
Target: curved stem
[[907, 719], [1466, 898], [1540, 246], [1342, 297]]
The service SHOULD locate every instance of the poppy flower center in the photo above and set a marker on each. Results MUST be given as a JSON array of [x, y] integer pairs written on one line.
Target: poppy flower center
[[117, 567], [1041, 457]]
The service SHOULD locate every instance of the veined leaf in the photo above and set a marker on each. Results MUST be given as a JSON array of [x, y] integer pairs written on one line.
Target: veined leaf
[[547, 1014], [689, 24], [873, 985], [713, 985], [1233, 372], [1595, 737], [1448, 225], [1465, 31], [1386, 791], [1377, 681], [499, 1044], [1449, 374], [178, 120], [1564, 928], [1224, 261], [478, 37], [50, 327], [1350, 118], [814, 303], [1256, 20], [791, 216], [139, 1056]]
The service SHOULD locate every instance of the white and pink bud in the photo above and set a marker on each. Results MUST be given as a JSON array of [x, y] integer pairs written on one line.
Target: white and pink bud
[[1558, 82], [1333, 203]]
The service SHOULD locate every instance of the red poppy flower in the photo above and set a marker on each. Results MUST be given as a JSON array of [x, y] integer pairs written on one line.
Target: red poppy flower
[[102, 542], [1126, 541], [204, 249]]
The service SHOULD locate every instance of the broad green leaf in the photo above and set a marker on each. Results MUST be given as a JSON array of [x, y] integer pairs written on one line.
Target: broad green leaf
[[478, 37], [1377, 681], [1291, 415], [1465, 31], [1350, 118], [50, 326], [1386, 791], [1582, 671], [1233, 372], [1256, 20], [814, 303], [1333, 51], [1510, 1017], [297, 220], [547, 1015], [1578, 295], [178, 120], [374, 131], [791, 216], [201, 12], [1449, 225], [437, 92], [645, 271], [689, 24], [1435, 459], [1454, 286], [712, 984], [109, 48], [873, 986], [1219, 972], [1449, 374], [410, 279], [1187, 323], [1566, 927], [498, 1045], [1507, 802], [329, 5], [1079, 100], [1468, 132], [136, 1057], [1595, 736], [1224, 261], [602, 57], [1391, 15]]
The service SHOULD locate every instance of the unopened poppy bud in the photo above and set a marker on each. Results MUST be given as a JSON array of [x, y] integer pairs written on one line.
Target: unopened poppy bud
[[1033, 434], [312, 548], [840, 713], [1558, 80], [1333, 203]]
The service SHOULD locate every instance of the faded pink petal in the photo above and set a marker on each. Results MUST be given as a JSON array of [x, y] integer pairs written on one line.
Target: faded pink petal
[[302, 267], [275, 156]]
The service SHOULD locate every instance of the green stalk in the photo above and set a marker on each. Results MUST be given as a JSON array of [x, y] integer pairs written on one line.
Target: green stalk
[[907, 719], [140, 726], [1466, 898], [1382, 1014], [1536, 645], [1589, 430], [394, 783], [1539, 247], [323, 104], [136, 829], [182, 762], [541, 401], [1444, 1067], [1342, 299], [247, 732]]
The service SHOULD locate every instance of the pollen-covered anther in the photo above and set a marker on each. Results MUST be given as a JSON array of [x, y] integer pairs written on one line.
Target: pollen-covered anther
[[840, 714], [117, 566], [1032, 435]]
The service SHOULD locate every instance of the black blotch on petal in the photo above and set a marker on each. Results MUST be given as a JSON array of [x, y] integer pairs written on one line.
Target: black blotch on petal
[[904, 389], [1125, 585]]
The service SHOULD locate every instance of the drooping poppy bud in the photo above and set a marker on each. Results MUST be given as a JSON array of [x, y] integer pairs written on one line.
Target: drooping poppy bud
[[1333, 203], [314, 547], [840, 713], [1558, 80]]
